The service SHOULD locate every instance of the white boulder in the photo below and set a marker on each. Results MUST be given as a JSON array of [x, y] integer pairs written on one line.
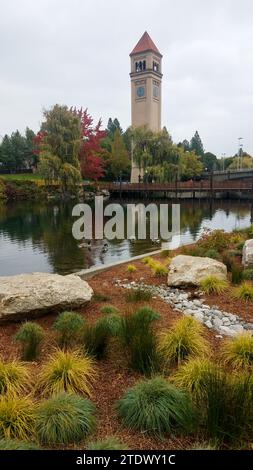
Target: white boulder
[[247, 254], [30, 295], [189, 271]]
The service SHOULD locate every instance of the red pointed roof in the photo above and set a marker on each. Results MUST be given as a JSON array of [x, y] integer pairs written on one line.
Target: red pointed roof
[[145, 44]]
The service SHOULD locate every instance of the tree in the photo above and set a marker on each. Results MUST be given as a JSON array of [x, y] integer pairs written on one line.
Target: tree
[[91, 154], [59, 148], [190, 165], [210, 161], [112, 127], [119, 159], [241, 162], [196, 145]]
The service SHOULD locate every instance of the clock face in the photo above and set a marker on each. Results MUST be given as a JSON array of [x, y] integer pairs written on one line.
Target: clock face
[[155, 91], [140, 91]]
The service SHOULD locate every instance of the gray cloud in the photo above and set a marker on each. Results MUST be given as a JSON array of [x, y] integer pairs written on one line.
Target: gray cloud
[[76, 52]]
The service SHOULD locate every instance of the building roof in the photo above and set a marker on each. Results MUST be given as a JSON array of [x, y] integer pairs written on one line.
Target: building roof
[[145, 44]]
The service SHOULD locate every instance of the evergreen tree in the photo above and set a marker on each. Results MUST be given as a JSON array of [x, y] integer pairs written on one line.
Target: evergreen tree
[[119, 160], [196, 145], [112, 126]]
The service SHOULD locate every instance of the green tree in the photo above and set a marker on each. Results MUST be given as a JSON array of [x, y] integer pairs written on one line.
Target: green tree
[[112, 127], [119, 159], [190, 165], [242, 162], [60, 148], [196, 145], [210, 161]]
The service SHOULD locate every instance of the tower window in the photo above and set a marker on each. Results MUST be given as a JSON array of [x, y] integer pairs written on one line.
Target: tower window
[[155, 66], [139, 66]]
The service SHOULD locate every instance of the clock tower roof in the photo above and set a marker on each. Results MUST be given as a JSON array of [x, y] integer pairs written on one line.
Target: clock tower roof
[[145, 44]]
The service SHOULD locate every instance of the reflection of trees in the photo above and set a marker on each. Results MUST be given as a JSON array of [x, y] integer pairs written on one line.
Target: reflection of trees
[[49, 228]]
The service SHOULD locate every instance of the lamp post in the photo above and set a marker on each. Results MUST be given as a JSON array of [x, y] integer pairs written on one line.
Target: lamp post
[[240, 147]]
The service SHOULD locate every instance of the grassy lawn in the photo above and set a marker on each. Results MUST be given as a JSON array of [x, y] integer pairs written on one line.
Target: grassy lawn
[[21, 177]]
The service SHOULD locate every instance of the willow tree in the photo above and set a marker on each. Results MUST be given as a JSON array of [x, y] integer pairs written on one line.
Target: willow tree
[[60, 147]]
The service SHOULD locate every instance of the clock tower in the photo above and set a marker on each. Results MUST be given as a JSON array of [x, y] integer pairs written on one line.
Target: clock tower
[[146, 80]]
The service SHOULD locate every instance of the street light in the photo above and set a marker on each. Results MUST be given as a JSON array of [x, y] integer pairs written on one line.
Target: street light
[[240, 146], [223, 161]]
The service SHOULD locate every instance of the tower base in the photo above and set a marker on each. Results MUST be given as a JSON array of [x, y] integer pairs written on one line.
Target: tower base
[[136, 174]]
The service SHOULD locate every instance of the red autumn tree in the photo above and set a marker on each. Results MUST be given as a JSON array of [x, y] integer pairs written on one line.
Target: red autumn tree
[[91, 154]]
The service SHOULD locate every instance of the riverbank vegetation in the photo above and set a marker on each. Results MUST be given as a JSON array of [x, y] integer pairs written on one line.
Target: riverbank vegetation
[[126, 352]]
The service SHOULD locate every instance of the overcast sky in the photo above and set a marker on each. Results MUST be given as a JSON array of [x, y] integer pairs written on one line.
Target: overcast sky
[[76, 52]]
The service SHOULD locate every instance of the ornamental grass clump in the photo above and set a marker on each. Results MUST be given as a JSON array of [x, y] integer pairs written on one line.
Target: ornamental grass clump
[[109, 309], [131, 269], [139, 339], [30, 336], [111, 443], [138, 295], [95, 338], [14, 378], [68, 325], [159, 270], [112, 324], [237, 352], [191, 376], [185, 338], [64, 419], [66, 371], [157, 407], [213, 285], [17, 418], [244, 292]]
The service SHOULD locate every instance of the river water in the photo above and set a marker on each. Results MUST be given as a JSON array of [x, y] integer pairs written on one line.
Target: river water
[[38, 236]]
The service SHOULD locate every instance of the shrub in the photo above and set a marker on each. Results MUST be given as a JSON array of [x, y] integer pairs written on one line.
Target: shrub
[[157, 407], [228, 261], [17, 418], [212, 253], [112, 324], [95, 338], [148, 260], [30, 336], [213, 285], [183, 339], [216, 240], [138, 295], [247, 274], [66, 372], [131, 268], [64, 419], [14, 378], [13, 444], [138, 337], [196, 250], [238, 351], [191, 376], [159, 270], [244, 292], [98, 297], [109, 309], [111, 443], [68, 326], [236, 273]]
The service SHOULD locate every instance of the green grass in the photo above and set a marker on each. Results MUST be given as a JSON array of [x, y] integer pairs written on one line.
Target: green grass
[[184, 339], [247, 274], [14, 378], [13, 444], [111, 443], [68, 326], [111, 324], [237, 352], [159, 270], [98, 297], [64, 419], [22, 177], [95, 338], [157, 407], [30, 336], [17, 418], [66, 371], [131, 269], [213, 285], [191, 376], [138, 295]]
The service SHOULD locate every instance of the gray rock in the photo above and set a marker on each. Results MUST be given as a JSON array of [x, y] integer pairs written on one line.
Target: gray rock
[[31, 295], [191, 270], [237, 328], [217, 322], [208, 323], [247, 254], [226, 331], [248, 326]]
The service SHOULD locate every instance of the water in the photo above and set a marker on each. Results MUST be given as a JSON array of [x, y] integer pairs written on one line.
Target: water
[[38, 236]]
